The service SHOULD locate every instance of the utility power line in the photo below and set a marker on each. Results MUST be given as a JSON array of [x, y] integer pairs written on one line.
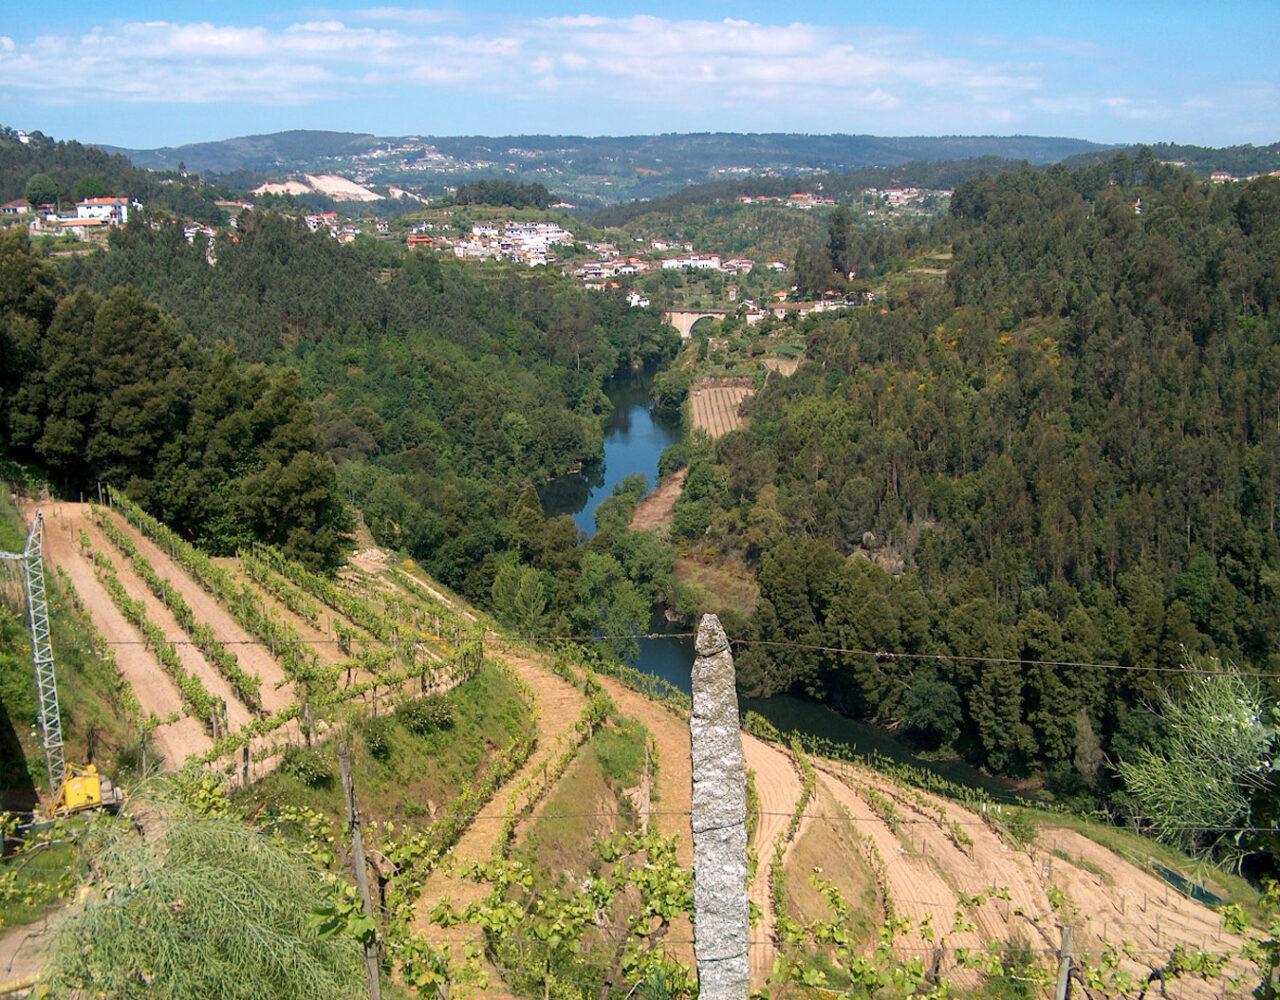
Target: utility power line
[[879, 654]]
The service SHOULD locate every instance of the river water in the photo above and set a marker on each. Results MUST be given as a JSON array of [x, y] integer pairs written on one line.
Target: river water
[[635, 438]]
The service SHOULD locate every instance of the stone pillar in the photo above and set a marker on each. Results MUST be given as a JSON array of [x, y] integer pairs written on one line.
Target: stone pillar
[[721, 919]]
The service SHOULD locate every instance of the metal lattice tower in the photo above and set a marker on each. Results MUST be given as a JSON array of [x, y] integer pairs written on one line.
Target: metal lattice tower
[[42, 651]]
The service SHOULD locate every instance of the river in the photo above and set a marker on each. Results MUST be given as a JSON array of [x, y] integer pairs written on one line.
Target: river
[[635, 438]]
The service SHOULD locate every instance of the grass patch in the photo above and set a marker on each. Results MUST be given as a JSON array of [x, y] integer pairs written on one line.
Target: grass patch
[[13, 532], [619, 749], [1139, 849], [408, 776]]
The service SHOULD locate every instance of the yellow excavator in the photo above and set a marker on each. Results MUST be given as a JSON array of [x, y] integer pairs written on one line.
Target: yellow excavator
[[82, 788]]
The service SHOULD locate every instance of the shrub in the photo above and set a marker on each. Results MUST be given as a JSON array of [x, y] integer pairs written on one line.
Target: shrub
[[377, 736], [426, 714], [306, 764]]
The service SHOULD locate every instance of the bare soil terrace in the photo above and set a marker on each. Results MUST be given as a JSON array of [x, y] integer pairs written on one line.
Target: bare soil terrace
[[935, 861]]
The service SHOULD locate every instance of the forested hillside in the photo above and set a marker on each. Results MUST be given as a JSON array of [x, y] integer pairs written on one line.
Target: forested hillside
[[71, 172], [1069, 452], [103, 389]]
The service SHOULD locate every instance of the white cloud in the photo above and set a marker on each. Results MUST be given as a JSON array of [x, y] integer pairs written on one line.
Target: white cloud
[[796, 76]]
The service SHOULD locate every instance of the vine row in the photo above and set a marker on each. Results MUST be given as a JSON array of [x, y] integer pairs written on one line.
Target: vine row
[[298, 661], [203, 705], [267, 577], [246, 685]]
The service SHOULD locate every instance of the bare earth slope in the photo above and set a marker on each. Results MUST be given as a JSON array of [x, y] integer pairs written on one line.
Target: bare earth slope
[[937, 862]]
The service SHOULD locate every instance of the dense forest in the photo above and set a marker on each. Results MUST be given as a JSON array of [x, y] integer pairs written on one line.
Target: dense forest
[[103, 389], [502, 193], [1069, 454]]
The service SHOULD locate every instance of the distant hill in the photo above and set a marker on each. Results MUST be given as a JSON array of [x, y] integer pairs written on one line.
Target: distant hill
[[586, 170], [277, 151], [1240, 161]]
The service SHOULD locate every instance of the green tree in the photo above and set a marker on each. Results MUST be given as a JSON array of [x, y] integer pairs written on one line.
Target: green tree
[[29, 294], [292, 504], [931, 711], [610, 605], [839, 241], [519, 598], [1215, 769], [42, 190], [90, 187]]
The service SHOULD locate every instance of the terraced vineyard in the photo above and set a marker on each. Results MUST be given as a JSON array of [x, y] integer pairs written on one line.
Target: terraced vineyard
[[715, 407], [232, 660], [212, 652]]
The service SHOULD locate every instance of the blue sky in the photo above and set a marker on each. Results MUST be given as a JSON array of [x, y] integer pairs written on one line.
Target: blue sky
[[143, 73]]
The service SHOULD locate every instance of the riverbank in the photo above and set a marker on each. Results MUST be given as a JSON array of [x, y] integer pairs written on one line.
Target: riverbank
[[653, 513]]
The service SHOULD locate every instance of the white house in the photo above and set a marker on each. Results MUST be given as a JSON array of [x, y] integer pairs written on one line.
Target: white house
[[114, 211]]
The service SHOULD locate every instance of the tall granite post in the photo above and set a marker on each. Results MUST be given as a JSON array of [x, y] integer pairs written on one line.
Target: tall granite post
[[721, 918]]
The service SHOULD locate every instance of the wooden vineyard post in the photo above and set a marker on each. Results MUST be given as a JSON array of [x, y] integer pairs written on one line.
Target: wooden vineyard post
[[360, 868], [1064, 964]]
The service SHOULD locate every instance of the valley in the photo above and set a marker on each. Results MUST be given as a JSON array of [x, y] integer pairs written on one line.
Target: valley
[[983, 490]]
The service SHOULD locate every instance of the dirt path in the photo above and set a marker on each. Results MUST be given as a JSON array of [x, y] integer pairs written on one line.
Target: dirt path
[[252, 657], [155, 692], [943, 850], [654, 512], [559, 705], [437, 595], [23, 950], [915, 886], [778, 790]]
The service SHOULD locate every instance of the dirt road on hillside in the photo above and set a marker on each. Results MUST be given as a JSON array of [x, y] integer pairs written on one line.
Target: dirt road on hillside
[[560, 706]]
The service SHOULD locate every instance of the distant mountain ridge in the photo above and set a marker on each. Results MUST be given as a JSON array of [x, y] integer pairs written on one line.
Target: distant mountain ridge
[[600, 169]]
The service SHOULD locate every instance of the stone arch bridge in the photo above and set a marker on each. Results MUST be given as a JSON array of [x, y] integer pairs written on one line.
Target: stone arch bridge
[[683, 319]]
